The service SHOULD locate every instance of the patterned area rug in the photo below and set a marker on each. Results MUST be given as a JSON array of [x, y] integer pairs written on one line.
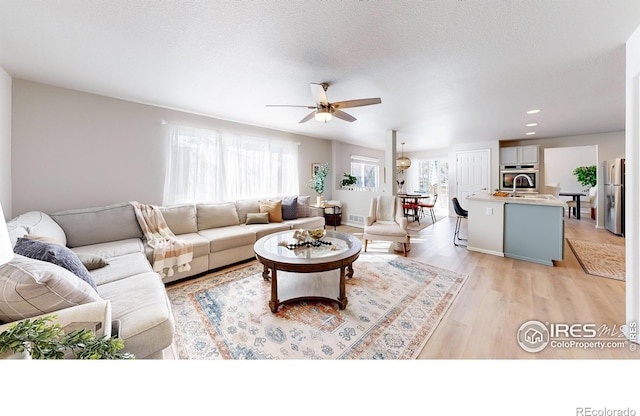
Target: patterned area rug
[[394, 306], [600, 259]]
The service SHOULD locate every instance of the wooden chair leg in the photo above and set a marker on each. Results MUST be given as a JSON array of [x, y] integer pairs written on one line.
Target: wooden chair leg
[[365, 245]]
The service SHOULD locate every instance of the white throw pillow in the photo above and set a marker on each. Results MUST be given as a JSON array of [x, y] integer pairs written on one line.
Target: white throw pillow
[[31, 287]]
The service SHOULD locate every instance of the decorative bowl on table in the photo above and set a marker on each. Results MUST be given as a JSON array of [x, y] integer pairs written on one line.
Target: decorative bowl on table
[[317, 234]]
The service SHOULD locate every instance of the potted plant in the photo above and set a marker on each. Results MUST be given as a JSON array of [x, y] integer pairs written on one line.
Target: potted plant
[[586, 175], [348, 180], [42, 339], [317, 181]]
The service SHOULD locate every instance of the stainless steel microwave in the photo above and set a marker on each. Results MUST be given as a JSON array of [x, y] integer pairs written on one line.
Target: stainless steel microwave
[[508, 175]]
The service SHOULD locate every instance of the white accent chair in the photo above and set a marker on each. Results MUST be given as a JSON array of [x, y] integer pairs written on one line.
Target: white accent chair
[[386, 222]]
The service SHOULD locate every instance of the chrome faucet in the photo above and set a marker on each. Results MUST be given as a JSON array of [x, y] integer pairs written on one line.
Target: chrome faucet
[[515, 181]]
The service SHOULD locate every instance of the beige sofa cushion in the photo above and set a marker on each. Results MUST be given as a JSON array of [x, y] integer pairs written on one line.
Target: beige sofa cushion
[[246, 206], [98, 225], [181, 219], [217, 215], [122, 267], [113, 248], [141, 305], [30, 287], [224, 238]]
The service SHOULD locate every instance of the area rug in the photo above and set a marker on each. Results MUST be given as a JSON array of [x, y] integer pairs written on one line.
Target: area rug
[[394, 306], [424, 223], [600, 259]]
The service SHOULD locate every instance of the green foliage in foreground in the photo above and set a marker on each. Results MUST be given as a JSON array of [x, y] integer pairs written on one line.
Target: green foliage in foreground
[[44, 340]]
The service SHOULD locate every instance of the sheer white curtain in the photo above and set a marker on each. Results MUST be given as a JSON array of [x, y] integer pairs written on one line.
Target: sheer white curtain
[[213, 166]]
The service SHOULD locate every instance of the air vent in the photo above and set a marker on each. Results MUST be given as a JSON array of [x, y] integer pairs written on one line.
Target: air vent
[[356, 218]]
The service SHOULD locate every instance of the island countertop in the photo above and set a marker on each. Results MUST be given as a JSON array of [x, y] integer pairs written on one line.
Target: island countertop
[[531, 199], [529, 227]]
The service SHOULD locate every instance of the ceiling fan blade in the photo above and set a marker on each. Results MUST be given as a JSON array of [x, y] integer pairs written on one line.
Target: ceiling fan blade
[[308, 117], [342, 115], [356, 103], [319, 93], [287, 105]]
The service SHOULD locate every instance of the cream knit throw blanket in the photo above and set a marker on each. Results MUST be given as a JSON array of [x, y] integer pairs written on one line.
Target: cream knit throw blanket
[[168, 251]]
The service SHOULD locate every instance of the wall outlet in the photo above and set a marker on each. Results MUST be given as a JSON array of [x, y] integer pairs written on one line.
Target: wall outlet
[[489, 211]]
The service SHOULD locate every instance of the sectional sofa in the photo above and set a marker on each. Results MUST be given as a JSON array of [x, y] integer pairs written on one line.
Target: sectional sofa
[[222, 234]]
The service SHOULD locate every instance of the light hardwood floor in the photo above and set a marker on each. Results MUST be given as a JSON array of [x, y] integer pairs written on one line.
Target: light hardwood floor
[[501, 294]]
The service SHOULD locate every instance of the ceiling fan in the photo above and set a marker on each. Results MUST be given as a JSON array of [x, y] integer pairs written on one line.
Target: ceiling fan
[[323, 111]]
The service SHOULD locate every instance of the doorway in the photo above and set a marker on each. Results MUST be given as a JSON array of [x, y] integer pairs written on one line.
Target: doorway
[[472, 173]]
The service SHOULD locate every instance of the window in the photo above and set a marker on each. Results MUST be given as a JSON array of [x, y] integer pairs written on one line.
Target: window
[[434, 173], [215, 166], [366, 170]]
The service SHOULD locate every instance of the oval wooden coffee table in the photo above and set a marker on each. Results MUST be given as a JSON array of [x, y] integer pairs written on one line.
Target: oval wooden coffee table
[[274, 254]]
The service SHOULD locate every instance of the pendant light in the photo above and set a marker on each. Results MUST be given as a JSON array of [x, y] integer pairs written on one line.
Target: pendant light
[[403, 162]]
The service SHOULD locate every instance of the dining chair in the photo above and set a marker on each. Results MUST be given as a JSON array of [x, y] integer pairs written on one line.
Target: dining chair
[[430, 206], [462, 213], [592, 203]]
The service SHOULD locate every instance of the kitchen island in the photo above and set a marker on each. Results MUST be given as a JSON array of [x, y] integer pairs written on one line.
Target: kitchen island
[[527, 227]]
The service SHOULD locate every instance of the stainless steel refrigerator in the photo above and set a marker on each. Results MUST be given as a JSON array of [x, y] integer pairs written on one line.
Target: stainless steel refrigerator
[[614, 172]]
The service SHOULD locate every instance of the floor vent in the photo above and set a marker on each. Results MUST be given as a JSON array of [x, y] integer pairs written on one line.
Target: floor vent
[[356, 218]]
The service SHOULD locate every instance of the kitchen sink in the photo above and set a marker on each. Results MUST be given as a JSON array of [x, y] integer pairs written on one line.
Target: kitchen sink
[[542, 197]]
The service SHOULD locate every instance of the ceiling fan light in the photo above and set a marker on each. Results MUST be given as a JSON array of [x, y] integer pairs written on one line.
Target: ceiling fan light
[[323, 116]]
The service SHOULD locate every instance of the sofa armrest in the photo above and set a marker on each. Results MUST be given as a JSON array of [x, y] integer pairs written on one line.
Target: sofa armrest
[[95, 316]]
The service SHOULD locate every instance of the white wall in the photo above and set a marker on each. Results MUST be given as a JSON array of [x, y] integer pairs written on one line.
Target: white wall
[[632, 183], [560, 162], [72, 149], [353, 202], [5, 143]]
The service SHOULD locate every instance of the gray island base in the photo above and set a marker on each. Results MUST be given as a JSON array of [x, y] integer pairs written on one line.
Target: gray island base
[[527, 227]]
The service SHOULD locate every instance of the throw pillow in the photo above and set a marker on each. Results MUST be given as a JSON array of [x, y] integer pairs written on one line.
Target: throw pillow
[[92, 261], [289, 207], [31, 287], [255, 218], [303, 206], [274, 208], [43, 238], [56, 254]]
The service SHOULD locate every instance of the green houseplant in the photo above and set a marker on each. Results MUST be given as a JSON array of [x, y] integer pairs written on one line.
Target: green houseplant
[[586, 175], [317, 180], [43, 339], [349, 180]]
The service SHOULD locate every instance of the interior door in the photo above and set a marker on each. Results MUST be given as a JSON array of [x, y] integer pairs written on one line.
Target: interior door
[[472, 173]]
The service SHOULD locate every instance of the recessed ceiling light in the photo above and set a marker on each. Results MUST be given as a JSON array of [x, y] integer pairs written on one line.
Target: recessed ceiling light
[[530, 133], [533, 111], [532, 124]]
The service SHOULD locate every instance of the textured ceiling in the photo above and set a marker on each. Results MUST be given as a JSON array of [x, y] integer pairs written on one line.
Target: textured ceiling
[[446, 71]]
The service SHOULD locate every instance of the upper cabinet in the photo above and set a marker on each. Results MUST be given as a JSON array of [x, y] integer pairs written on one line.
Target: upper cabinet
[[518, 155]]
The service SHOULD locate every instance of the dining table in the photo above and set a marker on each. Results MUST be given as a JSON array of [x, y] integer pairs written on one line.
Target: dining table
[[410, 205], [576, 198]]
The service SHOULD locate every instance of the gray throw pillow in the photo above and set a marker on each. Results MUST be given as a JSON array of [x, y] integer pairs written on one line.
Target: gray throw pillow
[[56, 254], [289, 207], [92, 261], [257, 218]]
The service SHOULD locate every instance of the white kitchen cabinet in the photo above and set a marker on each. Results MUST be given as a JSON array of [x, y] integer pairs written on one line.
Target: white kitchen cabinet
[[509, 156], [518, 155]]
